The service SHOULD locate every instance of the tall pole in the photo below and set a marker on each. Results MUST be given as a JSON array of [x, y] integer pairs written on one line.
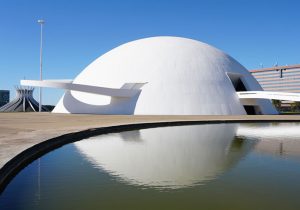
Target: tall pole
[[41, 22]]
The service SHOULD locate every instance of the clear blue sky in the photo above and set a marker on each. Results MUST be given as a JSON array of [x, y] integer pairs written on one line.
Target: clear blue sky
[[77, 32]]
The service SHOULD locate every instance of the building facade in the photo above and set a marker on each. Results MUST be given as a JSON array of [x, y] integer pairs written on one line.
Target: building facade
[[4, 97], [279, 78]]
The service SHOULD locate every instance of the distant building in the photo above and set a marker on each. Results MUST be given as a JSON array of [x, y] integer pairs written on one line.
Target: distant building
[[279, 78], [24, 102], [4, 97]]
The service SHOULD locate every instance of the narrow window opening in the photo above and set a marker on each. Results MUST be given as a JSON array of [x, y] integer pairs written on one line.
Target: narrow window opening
[[237, 82], [252, 110], [239, 86]]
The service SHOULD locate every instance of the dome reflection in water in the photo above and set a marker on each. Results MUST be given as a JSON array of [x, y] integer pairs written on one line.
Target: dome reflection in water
[[207, 166], [167, 157]]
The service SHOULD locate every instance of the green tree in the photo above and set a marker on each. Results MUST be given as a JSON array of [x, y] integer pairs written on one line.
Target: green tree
[[295, 107], [277, 104]]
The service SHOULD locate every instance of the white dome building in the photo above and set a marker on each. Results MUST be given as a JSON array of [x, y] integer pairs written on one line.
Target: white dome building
[[162, 76]]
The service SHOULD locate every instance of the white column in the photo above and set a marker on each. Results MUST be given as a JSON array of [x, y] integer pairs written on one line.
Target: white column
[[41, 22]]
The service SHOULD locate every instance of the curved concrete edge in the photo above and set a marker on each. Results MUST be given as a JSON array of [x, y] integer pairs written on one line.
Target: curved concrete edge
[[68, 85], [16, 164], [269, 95]]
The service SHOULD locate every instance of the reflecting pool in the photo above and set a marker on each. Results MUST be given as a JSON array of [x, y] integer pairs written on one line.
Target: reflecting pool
[[209, 166]]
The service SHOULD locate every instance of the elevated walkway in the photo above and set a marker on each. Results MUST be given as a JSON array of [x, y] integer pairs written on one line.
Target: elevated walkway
[[127, 90], [269, 95], [131, 89]]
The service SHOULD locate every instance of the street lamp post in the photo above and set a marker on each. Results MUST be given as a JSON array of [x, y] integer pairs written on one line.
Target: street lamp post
[[41, 22]]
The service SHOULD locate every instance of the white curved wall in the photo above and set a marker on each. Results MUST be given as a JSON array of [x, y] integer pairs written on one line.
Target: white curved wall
[[183, 76]]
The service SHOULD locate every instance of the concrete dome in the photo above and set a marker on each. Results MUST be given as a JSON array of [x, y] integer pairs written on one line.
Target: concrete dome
[[176, 76]]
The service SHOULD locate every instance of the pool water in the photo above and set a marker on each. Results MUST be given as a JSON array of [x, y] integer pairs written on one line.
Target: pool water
[[209, 166]]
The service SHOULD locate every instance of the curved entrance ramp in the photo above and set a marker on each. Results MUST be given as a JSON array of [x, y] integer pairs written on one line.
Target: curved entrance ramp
[[269, 95], [128, 90]]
